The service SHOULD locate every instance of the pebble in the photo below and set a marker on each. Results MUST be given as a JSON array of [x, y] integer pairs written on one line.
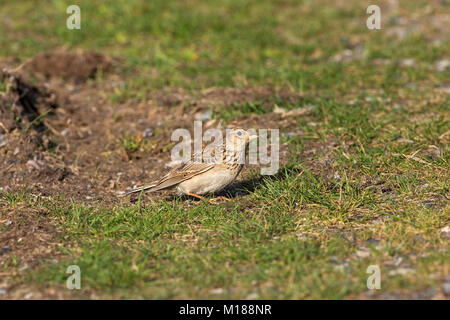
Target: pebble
[[401, 271], [407, 62], [3, 291], [444, 88], [373, 241], [3, 140], [428, 205], [216, 291], [252, 296], [362, 253], [404, 140], [65, 132], [203, 116], [33, 164], [29, 295], [397, 259], [442, 65], [446, 288], [5, 249], [294, 112], [290, 135], [445, 232], [147, 133]]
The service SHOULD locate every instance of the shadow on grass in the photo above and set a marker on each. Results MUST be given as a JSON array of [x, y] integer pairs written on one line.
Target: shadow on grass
[[248, 186]]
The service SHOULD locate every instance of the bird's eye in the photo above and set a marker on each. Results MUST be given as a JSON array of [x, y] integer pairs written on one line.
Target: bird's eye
[[239, 133]]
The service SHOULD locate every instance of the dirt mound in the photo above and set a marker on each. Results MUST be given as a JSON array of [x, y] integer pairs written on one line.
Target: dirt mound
[[76, 65], [23, 103]]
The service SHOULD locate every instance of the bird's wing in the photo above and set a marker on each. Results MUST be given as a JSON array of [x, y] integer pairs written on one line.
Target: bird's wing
[[181, 173], [177, 175]]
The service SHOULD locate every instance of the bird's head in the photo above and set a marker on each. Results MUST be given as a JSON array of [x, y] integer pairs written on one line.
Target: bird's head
[[239, 138]]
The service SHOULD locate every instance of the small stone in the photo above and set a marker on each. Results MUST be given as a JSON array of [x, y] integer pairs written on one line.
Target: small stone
[[3, 140], [4, 250], [294, 112], [428, 205], [252, 296], [65, 132], [445, 232], [279, 110], [216, 291], [16, 151], [24, 267], [444, 88], [362, 253], [203, 116], [372, 241], [3, 291], [404, 140], [401, 271], [397, 259], [290, 135], [446, 289], [407, 62], [29, 295], [299, 111], [442, 65], [33, 164], [147, 133]]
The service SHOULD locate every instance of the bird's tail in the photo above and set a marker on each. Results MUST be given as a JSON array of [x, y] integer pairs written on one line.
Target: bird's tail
[[140, 189]]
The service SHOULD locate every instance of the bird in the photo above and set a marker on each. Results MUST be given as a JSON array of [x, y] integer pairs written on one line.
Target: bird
[[195, 178]]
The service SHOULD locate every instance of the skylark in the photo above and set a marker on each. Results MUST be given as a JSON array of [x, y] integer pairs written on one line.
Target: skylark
[[200, 178]]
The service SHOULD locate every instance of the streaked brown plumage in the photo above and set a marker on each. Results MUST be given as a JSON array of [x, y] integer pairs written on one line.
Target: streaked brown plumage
[[199, 178]]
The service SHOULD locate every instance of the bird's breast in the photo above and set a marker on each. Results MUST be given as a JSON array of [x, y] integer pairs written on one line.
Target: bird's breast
[[210, 181]]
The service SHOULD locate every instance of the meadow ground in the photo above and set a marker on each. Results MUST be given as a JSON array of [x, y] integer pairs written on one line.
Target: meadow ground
[[364, 123]]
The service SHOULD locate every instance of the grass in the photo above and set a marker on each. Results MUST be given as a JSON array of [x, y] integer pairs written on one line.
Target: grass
[[377, 185], [235, 110], [133, 144]]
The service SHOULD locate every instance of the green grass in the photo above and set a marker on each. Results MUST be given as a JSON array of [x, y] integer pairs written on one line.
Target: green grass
[[287, 245], [373, 128], [233, 111]]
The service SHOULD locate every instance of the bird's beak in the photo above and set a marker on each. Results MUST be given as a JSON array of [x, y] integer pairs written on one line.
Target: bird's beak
[[252, 137]]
